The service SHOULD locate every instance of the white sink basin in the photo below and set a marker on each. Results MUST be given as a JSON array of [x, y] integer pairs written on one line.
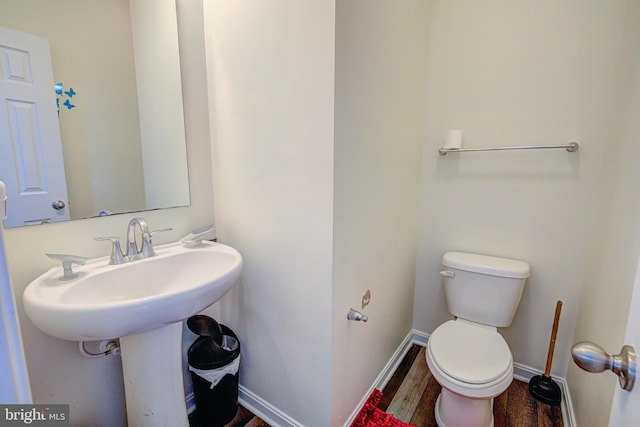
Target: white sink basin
[[113, 301], [143, 303]]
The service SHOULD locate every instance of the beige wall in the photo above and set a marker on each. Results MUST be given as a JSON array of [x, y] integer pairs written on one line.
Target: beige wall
[[58, 373], [270, 70], [505, 73], [518, 73], [159, 99], [381, 53], [615, 242], [300, 199], [311, 208]]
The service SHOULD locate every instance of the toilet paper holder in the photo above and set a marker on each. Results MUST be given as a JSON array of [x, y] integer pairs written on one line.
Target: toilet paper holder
[[357, 316]]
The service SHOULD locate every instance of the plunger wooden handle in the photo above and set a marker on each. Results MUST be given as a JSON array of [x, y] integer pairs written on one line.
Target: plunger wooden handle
[[552, 343]]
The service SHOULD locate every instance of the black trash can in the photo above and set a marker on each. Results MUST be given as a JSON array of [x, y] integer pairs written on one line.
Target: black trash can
[[214, 360]]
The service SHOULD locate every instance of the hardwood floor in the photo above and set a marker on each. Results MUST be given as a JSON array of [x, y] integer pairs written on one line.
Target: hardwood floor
[[244, 418], [411, 393]]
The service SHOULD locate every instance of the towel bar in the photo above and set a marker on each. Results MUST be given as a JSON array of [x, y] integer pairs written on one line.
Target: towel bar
[[571, 147]]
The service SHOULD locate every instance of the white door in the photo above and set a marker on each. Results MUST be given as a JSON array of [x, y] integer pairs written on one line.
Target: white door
[[31, 161], [625, 410]]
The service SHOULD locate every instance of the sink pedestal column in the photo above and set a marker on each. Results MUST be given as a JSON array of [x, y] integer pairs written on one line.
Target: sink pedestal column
[[153, 382]]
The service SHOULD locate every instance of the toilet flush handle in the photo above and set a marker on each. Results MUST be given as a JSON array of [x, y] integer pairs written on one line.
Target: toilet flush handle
[[447, 273]]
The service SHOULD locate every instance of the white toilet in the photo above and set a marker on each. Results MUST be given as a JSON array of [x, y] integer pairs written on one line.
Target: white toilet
[[467, 356]]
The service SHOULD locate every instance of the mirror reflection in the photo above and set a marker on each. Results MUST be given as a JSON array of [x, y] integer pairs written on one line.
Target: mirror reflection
[[91, 112]]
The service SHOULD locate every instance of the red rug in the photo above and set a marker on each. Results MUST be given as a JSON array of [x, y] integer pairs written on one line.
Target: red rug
[[372, 416]]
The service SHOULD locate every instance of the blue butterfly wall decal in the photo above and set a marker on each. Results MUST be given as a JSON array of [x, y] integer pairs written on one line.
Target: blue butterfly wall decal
[[69, 105], [60, 94]]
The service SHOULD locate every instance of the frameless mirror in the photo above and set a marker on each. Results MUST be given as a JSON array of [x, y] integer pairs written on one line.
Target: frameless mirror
[[91, 115]]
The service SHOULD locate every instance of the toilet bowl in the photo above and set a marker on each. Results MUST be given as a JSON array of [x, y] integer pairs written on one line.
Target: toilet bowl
[[473, 364], [467, 356]]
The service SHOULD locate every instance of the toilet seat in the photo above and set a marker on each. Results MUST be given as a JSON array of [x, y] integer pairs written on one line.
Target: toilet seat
[[470, 359]]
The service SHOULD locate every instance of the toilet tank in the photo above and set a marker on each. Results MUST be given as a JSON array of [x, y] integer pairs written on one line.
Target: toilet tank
[[483, 289]]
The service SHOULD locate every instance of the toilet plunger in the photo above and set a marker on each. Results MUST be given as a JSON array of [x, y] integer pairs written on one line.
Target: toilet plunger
[[542, 387]]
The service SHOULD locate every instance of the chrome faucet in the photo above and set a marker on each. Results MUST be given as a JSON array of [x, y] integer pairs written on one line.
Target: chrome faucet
[[133, 252], [132, 247]]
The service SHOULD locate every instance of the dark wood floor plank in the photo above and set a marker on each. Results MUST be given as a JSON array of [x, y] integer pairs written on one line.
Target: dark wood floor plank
[[424, 416], [513, 408], [242, 417], [549, 416], [256, 422], [500, 409], [407, 397], [394, 383], [521, 407]]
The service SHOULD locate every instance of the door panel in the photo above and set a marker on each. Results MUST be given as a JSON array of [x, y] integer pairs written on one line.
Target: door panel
[[625, 410], [30, 131]]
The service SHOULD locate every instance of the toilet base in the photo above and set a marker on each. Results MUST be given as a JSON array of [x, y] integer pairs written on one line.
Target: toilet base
[[454, 410]]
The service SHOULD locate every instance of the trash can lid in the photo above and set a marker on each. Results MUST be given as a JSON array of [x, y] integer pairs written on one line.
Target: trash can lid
[[205, 326], [206, 353]]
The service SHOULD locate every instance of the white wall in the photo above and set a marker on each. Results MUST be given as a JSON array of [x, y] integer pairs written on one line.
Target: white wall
[[615, 242], [381, 53], [93, 387], [517, 73], [270, 74]]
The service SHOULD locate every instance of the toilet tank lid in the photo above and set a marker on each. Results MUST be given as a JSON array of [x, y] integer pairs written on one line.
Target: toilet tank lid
[[494, 266]]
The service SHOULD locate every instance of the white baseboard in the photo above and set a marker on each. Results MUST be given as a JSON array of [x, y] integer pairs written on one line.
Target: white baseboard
[[520, 372], [190, 401], [419, 337], [568, 414], [257, 405], [385, 375], [276, 417], [266, 411], [525, 373]]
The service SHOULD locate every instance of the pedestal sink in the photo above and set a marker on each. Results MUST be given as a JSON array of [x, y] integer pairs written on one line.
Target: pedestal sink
[[143, 303]]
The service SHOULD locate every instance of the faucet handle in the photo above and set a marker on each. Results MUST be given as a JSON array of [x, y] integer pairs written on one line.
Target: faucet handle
[[162, 230], [195, 238], [147, 244], [67, 262], [116, 253]]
